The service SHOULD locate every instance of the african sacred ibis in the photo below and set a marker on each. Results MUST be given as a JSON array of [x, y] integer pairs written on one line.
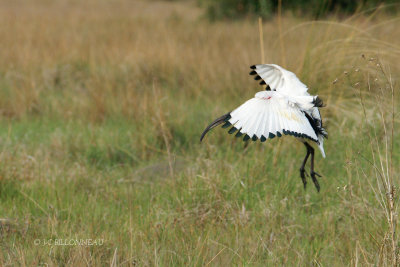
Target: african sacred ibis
[[285, 108]]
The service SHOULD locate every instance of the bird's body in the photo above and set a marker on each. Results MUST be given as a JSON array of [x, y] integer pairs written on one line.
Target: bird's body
[[284, 108]]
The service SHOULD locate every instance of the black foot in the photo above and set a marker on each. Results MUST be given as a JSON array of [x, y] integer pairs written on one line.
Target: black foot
[[314, 179], [303, 174]]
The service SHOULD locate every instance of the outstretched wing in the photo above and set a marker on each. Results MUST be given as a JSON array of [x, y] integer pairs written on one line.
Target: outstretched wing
[[279, 79], [269, 115]]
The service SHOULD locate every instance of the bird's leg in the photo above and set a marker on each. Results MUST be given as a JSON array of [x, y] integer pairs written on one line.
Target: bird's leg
[[312, 172], [302, 170]]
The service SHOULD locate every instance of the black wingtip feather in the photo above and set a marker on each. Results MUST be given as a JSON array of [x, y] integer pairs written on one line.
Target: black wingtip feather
[[232, 130], [263, 82], [257, 78], [226, 125], [253, 67], [253, 72], [238, 134]]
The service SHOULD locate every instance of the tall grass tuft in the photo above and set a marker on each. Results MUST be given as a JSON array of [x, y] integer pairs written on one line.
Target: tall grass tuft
[[382, 174]]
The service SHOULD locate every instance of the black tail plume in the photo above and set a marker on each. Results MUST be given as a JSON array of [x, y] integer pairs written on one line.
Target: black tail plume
[[318, 102], [223, 118]]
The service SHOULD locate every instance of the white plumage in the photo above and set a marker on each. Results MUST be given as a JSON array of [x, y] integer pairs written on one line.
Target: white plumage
[[287, 84], [281, 80], [270, 114], [285, 108]]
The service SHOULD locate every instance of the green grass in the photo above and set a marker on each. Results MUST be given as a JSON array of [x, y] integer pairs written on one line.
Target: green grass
[[73, 180]]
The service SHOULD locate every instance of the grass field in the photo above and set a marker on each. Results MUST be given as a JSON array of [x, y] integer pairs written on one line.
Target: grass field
[[102, 104]]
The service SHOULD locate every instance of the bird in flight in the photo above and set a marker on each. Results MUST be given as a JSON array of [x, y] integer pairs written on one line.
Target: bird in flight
[[284, 108]]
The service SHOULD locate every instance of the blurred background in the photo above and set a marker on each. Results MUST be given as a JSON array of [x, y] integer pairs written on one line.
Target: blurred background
[[102, 104], [313, 9]]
